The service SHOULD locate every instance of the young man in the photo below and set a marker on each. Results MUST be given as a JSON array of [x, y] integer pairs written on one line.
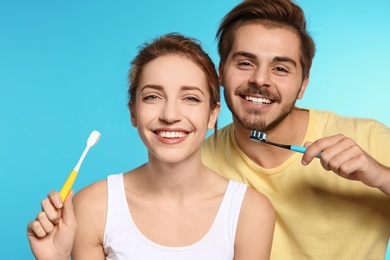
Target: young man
[[332, 207]]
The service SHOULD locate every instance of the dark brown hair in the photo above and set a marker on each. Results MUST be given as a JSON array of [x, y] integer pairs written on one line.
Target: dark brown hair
[[272, 14]]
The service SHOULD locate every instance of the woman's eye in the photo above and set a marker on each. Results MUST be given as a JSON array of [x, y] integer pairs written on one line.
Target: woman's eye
[[150, 97], [192, 99]]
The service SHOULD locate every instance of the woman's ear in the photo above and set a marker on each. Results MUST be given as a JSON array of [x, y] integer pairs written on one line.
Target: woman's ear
[[213, 116], [133, 113]]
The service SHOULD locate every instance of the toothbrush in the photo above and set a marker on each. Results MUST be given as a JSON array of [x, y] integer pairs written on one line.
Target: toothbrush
[[92, 140], [260, 137]]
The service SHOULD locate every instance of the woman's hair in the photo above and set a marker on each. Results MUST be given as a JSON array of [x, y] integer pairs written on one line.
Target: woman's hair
[[177, 44], [272, 14]]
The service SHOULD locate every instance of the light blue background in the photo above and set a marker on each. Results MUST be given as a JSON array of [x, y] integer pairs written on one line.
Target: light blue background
[[63, 69]]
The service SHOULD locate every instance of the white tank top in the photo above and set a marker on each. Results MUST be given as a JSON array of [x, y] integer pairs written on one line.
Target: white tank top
[[123, 240]]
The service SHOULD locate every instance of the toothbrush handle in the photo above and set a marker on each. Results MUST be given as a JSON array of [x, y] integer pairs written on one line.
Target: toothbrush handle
[[301, 149], [68, 184]]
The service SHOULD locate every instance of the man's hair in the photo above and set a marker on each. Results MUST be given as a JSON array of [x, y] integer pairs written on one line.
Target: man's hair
[[272, 14]]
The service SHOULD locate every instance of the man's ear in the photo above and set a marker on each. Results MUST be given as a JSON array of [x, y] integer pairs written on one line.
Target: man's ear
[[305, 82], [133, 113], [213, 116]]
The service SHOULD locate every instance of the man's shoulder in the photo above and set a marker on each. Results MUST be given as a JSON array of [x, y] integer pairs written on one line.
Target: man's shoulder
[[334, 117], [217, 142], [221, 134]]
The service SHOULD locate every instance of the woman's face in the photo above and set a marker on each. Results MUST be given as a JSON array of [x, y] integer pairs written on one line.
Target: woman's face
[[172, 108]]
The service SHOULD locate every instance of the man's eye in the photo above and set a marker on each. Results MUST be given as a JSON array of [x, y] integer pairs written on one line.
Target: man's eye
[[244, 64], [280, 69]]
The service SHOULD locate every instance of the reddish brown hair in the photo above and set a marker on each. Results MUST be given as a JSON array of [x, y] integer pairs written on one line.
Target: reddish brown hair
[[177, 44]]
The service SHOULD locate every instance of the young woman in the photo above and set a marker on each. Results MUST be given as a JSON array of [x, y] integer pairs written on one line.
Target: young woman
[[171, 207]]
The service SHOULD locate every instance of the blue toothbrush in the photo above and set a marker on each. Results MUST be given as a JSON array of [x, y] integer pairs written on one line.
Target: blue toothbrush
[[260, 137]]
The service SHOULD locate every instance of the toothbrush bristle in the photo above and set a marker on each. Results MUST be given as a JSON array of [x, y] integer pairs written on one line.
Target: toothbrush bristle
[[93, 138], [262, 135], [258, 135]]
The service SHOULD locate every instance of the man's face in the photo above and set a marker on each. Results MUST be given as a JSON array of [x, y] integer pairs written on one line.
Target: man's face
[[262, 76]]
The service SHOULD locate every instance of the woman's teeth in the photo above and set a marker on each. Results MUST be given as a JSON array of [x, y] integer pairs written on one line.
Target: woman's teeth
[[172, 134]]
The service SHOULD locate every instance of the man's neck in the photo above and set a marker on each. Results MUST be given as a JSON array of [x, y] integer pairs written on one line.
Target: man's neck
[[291, 130]]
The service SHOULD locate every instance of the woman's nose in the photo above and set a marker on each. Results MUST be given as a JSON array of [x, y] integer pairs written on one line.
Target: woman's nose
[[171, 112]]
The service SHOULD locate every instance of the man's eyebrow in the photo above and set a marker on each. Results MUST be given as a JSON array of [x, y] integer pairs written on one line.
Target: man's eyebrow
[[275, 59], [244, 54], [285, 59]]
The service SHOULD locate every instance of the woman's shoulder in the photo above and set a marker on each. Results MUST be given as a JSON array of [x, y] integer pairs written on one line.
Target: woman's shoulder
[[95, 189], [92, 198], [257, 203], [253, 198], [257, 211]]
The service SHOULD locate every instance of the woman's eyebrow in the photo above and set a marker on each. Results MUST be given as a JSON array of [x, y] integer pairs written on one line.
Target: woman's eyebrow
[[191, 88], [152, 86]]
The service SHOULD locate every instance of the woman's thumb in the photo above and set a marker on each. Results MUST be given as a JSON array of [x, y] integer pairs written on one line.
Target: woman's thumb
[[68, 215]]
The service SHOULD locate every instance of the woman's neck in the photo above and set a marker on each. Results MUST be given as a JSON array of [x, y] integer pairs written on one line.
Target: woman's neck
[[174, 177]]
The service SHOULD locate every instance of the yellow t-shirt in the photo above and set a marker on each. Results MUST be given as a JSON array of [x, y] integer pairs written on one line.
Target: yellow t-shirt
[[319, 214]]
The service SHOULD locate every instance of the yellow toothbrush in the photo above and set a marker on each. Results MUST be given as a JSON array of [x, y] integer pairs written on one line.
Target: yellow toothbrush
[[92, 140]]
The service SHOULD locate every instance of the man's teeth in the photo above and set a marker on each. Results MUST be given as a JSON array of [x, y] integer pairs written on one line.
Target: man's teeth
[[172, 134], [258, 100]]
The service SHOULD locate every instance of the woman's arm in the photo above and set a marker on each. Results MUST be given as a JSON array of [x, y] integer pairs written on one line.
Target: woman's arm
[[255, 227], [90, 206]]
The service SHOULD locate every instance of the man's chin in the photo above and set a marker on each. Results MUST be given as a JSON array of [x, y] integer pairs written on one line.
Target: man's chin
[[251, 124]]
